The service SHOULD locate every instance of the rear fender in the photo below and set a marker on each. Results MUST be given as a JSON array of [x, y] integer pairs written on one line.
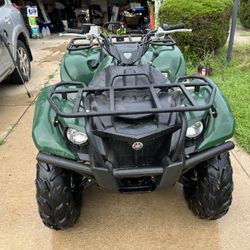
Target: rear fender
[[168, 59], [76, 66]]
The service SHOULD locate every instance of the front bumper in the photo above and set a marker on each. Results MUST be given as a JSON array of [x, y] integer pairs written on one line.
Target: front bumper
[[107, 177]]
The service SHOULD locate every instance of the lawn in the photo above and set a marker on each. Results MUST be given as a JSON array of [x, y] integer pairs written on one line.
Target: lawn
[[234, 80]]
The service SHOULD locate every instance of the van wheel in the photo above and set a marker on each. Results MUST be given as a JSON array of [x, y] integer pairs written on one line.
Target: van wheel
[[208, 188], [23, 63], [59, 196]]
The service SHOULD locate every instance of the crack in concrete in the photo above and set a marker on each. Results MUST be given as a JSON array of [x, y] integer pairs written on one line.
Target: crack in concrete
[[4, 139], [242, 167]]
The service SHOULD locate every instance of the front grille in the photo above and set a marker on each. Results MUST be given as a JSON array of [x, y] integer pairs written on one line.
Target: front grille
[[151, 154]]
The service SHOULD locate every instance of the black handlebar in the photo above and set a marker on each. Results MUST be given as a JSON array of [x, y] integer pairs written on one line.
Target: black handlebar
[[161, 38], [111, 23], [75, 31], [166, 27], [173, 27]]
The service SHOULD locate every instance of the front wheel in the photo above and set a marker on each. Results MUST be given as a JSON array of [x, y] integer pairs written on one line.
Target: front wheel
[[59, 196], [208, 188]]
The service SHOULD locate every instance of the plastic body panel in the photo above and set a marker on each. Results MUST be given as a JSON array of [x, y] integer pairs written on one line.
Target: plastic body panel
[[168, 59], [50, 140], [76, 66], [221, 127], [46, 137]]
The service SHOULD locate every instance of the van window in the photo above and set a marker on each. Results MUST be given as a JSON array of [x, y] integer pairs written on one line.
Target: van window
[[2, 2]]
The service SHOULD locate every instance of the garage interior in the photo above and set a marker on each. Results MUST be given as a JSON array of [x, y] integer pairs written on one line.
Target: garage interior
[[59, 15]]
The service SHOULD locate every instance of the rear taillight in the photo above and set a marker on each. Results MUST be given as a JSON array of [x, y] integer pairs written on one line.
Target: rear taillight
[[15, 6]]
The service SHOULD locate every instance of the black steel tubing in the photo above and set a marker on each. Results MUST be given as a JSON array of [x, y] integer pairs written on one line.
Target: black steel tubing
[[136, 172], [180, 145], [207, 154], [64, 163], [136, 112], [181, 85], [129, 74], [120, 88], [133, 172]]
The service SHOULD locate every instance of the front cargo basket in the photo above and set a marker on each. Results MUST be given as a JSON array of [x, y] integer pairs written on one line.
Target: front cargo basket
[[81, 106]]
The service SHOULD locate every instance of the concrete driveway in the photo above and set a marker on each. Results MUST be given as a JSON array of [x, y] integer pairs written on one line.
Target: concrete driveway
[[158, 220]]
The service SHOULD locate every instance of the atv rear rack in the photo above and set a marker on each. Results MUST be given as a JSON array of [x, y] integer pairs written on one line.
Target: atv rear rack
[[82, 43], [81, 101]]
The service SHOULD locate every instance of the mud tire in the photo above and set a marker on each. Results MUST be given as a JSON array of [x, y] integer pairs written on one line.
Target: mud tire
[[208, 188], [59, 196]]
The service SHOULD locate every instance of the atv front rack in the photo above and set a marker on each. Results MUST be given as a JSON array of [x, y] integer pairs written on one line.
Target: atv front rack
[[81, 105]]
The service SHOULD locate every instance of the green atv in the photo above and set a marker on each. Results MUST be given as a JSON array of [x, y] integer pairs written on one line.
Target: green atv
[[127, 117]]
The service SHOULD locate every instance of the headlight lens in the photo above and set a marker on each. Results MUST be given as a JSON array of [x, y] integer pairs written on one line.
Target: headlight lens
[[195, 130], [76, 136]]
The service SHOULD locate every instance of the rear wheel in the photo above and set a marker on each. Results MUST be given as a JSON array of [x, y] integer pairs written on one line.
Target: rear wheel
[[23, 63], [59, 196], [208, 188]]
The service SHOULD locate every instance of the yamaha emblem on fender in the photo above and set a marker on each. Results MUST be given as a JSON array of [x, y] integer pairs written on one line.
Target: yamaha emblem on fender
[[137, 145]]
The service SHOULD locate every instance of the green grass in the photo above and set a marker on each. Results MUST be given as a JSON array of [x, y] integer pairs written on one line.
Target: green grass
[[234, 80], [2, 142], [12, 127], [9, 130]]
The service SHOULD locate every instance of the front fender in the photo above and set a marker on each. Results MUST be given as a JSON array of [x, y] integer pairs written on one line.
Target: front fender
[[220, 128], [46, 137]]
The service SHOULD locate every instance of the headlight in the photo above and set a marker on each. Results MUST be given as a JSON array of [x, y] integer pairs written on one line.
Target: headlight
[[76, 136], [195, 130]]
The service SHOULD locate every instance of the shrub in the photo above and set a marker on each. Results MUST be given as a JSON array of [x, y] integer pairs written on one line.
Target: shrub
[[244, 13], [209, 20]]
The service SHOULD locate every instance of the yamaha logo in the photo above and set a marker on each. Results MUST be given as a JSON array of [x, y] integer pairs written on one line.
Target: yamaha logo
[[127, 55], [137, 145]]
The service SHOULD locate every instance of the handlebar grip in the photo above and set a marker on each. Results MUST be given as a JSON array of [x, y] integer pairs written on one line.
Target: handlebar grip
[[173, 27], [76, 31]]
